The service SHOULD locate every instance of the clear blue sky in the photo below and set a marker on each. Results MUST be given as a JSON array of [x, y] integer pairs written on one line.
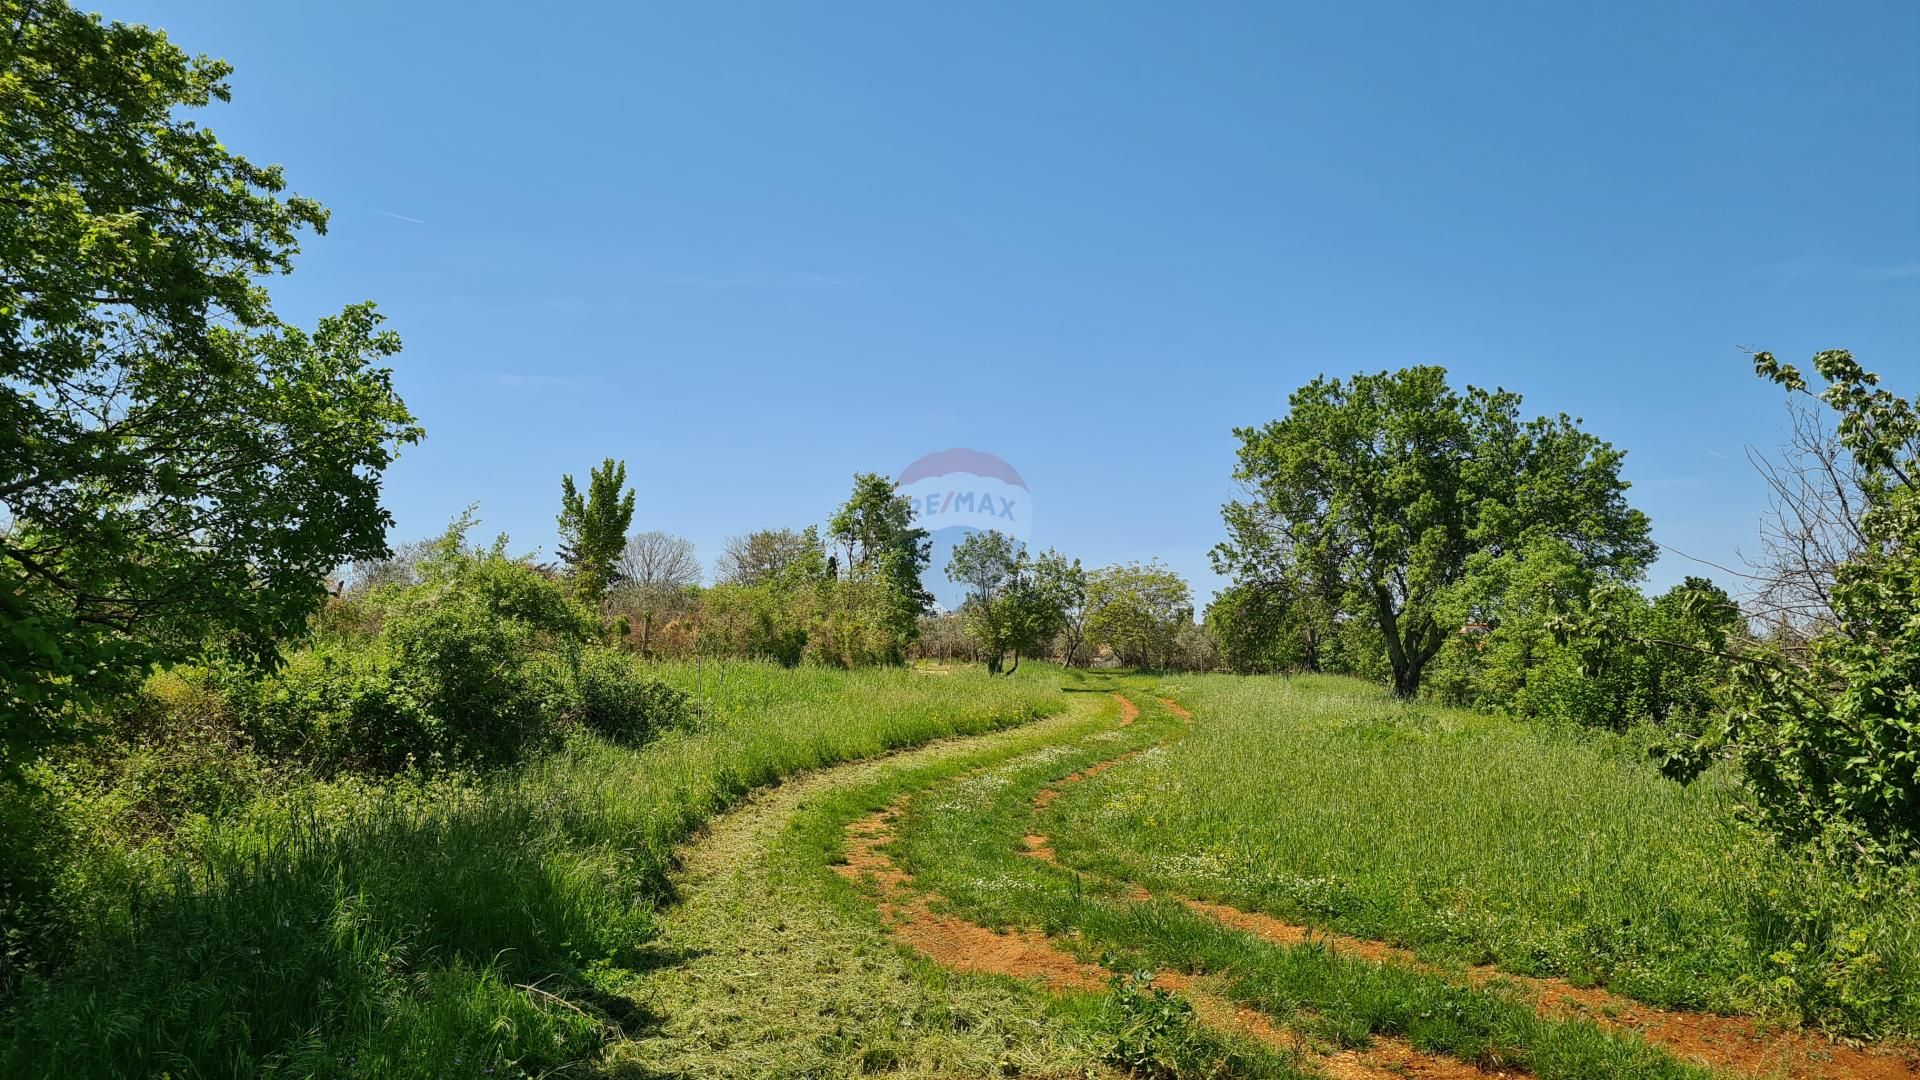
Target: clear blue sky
[[754, 247]]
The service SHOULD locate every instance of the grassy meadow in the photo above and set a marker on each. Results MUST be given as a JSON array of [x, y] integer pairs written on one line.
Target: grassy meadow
[[1476, 839], [465, 925], [963, 840]]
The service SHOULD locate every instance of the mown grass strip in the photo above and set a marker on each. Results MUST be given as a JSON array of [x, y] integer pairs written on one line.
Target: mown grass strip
[[818, 836]]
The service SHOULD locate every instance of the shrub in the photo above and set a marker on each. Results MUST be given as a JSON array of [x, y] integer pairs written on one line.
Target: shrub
[[606, 691], [343, 706]]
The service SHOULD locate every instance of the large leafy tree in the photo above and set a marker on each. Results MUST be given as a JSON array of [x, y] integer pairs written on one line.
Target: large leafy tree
[[1391, 488], [1016, 602], [1138, 610], [593, 528], [176, 465]]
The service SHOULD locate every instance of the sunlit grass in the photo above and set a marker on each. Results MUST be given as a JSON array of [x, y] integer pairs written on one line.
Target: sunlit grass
[[358, 929], [962, 840], [1478, 839]]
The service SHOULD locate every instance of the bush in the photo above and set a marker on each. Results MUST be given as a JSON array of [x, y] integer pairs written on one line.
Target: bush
[[33, 847], [456, 673], [606, 691], [342, 707]]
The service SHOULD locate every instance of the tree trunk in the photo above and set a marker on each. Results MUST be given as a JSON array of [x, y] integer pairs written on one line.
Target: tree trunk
[[1016, 662], [1406, 674]]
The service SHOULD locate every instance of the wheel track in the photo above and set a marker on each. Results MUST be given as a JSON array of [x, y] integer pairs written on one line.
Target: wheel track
[[963, 945]]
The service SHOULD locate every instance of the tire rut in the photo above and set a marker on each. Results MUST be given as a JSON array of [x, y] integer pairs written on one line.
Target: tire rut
[[962, 945]]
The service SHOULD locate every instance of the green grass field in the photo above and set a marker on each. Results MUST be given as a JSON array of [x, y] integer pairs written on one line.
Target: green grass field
[[394, 930], [1474, 839], [675, 910]]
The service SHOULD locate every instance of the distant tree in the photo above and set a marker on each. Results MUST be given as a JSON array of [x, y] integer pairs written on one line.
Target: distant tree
[[885, 555], [1393, 483], [1015, 603], [655, 570], [1138, 609], [765, 555], [402, 567], [593, 528], [1194, 649], [177, 466], [1817, 493], [943, 636], [1069, 580]]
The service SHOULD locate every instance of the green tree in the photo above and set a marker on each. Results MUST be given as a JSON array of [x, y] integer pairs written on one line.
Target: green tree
[[593, 528], [1138, 609], [883, 555], [1016, 603], [177, 466], [1831, 746], [1390, 484]]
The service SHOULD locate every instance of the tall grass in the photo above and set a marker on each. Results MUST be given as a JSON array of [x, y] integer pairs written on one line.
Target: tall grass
[[452, 926], [1474, 838]]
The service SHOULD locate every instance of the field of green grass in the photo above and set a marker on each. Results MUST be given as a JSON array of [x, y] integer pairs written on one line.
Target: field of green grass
[[1474, 839], [682, 908], [468, 926], [963, 841]]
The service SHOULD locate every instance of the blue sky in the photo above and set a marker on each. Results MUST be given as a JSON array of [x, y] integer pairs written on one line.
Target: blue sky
[[754, 247]]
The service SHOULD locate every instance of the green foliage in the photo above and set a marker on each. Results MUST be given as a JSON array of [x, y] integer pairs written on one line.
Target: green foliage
[[1139, 610], [175, 463], [1378, 493], [1831, 749], [1016, 603], [593, 528], [885, 554], [1545, 636], [1266, 630], [603, 690], [1154, 1032], [755, 622]]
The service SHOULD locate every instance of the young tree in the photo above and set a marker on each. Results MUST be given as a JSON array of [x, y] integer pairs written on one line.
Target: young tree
[[654, 571], [177, 466], [1015, 603], [593, 528], [1138, 610], [1068, 580], [1831, 746], [1392, 483]]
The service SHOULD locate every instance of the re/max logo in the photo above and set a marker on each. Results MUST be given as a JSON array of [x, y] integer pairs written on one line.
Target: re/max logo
[[963, 502]]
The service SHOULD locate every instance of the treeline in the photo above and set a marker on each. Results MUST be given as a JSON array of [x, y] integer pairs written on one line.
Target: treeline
[[1438, 542]]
